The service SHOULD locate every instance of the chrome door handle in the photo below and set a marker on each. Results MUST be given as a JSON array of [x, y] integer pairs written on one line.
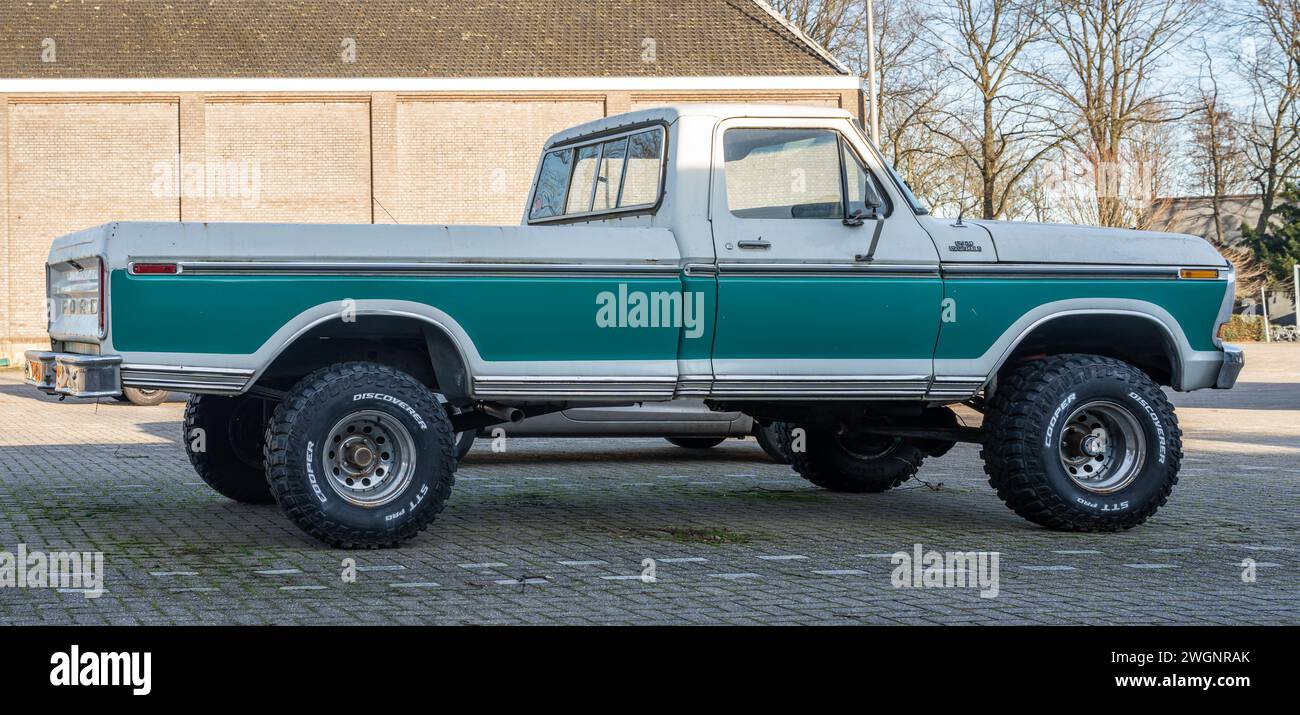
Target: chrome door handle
[[760, 244]]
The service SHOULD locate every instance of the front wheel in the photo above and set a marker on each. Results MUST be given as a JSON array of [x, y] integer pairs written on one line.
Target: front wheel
[[360, 455], [1081, 443], [850, 462], [769, 438]]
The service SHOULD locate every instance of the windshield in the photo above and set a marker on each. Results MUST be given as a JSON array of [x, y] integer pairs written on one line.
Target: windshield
[[899, 181]]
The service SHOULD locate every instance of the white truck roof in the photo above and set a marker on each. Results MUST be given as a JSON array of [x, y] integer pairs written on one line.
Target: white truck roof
[[670, 113]]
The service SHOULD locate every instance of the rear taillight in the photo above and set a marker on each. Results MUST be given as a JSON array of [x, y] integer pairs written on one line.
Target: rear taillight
[[102, 308], [154, 269]]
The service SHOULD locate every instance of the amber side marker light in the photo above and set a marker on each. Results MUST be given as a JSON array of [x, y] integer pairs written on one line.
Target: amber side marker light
[[147, 269], [1198, 273]]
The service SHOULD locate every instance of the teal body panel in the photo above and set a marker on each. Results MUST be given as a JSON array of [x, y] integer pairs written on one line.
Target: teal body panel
[[700, 348], [986, 308], [825, 317], [552, 319], [508, 318]]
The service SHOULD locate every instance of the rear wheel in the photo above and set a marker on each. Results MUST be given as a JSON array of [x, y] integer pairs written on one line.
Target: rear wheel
[[223, 438], [696, 442], [360, 455], [1081, 443], [851, 463], [143, 396]]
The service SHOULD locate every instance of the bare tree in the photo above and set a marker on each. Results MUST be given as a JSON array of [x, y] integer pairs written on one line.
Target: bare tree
[[1270, 62], [833, 24], [1218, 155], [1110, 51], [1156, 169], [1001, 132], [911, 81]]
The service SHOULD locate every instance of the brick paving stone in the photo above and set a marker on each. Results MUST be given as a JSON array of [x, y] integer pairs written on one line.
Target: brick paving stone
[[559, 515]]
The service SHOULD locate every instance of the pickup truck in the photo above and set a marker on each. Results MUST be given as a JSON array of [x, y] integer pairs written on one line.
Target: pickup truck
[[766, 260]]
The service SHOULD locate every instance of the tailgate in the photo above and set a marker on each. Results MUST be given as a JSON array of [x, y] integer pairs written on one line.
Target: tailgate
[[75, 299], [75, 288]]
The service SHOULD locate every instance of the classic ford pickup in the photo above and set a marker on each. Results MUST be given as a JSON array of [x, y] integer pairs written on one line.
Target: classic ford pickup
[[764, 259]]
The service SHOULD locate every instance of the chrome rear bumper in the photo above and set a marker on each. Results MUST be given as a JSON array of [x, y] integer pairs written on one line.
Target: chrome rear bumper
[[1233, 361], [73, 375]]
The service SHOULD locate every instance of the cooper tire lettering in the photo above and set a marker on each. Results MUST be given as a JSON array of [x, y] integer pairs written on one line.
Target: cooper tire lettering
[[1051, 425], [311, 473]]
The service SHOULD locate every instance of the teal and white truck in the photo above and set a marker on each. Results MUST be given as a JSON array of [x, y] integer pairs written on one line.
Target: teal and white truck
[[766, 260]]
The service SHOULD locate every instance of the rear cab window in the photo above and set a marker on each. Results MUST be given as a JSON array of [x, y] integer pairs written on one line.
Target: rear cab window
[[615, 175]]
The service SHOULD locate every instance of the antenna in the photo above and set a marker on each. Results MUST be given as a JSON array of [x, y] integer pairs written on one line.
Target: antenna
[[961, 202]]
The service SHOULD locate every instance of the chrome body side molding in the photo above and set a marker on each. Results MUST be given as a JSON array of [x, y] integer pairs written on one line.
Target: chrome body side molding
[[600, 388], [1053, 270], [422, 268], [822, 387], [227, 381], [955, 389], [836, 270]]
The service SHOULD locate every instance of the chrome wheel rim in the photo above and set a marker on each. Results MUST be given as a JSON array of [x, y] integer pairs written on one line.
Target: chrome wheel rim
[[369, 458], [1102, 447]]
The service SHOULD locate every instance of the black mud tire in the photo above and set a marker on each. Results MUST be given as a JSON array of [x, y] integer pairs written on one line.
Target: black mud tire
[[295, 470], [464, 442], [769, 438], [696, 442], [867, 464], [1022, 457], [227, 453], [143, 397]]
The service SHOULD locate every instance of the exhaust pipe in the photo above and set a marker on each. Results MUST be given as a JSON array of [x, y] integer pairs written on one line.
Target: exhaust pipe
[[501, 412]]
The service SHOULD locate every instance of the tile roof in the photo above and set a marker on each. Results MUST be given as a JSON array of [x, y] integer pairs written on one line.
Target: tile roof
[[402, 38]]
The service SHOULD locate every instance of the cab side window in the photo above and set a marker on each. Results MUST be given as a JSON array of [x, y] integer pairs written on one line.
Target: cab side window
[[783, 173], [794, 174]]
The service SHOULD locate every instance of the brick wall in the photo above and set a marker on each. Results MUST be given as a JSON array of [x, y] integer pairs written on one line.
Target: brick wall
[[73, 164], [445, 174], [70, 162], [288, 161]]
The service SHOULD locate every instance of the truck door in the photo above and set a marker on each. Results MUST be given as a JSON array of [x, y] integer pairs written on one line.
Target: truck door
[[808, 307]]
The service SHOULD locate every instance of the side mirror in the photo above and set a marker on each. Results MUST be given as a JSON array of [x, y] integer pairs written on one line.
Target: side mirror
[[871, 196], [873, 202]]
